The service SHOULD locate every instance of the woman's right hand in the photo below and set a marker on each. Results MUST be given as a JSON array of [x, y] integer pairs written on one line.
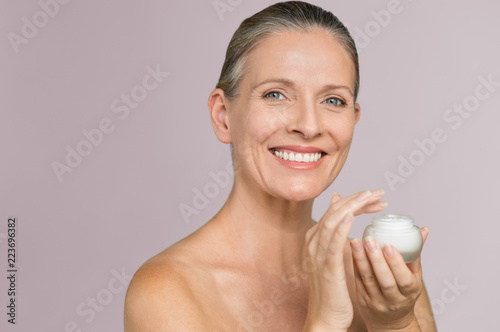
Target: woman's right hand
[[330, 307]]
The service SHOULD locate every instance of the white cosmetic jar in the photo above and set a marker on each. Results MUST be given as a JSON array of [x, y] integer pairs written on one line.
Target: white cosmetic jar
[[398, 230]]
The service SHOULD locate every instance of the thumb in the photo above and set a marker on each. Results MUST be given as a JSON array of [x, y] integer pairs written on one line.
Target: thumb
[[425, 232], [335, 198], [416, 266]]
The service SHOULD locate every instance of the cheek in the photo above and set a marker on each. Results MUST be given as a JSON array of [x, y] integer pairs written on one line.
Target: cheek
[[342, 131], [251, 126], [261, 124]]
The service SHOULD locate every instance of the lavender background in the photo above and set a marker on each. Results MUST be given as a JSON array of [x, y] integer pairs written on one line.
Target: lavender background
[[82, 236]]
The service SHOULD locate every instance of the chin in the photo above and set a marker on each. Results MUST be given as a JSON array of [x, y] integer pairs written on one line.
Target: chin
[[300, 192]]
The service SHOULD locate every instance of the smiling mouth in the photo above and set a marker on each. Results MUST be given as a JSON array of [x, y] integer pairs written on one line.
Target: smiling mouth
[[296, 156]]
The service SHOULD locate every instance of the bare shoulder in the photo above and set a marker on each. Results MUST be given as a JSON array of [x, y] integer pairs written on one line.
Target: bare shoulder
[[161, 295]]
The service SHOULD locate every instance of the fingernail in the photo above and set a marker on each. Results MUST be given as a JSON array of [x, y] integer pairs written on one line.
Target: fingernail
[[389, 252], [370, 244], [427, 229], [364, 196], [348, 218], [356, 245], [383, 204], [379, 192], [335, 194]]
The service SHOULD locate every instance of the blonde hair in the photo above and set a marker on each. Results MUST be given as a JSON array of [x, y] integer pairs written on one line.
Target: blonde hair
[[283, 16]]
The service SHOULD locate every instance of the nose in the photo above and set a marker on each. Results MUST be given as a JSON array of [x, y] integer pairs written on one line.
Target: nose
[[306, 120]]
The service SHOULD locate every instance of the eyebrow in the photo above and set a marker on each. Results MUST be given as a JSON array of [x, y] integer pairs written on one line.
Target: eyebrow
[[290, 83]]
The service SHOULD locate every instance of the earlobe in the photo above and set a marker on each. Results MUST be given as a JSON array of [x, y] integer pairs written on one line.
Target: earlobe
[[217, 105]]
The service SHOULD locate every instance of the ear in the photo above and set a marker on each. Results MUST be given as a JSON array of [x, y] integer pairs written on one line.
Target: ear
[[218, 104], [357, 112]]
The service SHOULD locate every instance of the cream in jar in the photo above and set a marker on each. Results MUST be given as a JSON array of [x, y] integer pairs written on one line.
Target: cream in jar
[[398, 230]]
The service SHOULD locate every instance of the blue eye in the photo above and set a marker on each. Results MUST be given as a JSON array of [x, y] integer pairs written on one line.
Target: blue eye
[[334, 101], [274, 95]]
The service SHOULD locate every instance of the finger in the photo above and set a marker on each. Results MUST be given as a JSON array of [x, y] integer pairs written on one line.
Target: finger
[[332, 248], [407, 281], [360, 287], [309, 252], [373, 208], [416, 266], [335, 198], [385, 278], [425, 233], [374, 196], [335, 214], [338, 211], [310, 234], [311, 247], [354, 203], [366, 274]]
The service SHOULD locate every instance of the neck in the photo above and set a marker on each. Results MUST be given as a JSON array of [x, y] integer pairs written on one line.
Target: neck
[[263, 231]]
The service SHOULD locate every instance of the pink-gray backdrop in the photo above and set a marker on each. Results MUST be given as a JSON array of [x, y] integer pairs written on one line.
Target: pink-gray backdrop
[[99, 184]]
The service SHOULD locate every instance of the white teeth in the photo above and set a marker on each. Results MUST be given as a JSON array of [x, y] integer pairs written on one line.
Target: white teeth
[[298, 157]]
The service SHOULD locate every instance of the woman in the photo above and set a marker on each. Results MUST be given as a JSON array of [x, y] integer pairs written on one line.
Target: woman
[[286, 101]]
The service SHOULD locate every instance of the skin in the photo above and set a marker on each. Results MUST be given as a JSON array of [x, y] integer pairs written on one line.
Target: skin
[[262, 263]]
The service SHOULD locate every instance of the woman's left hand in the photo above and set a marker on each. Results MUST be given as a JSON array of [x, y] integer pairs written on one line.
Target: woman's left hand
[[386, 287]]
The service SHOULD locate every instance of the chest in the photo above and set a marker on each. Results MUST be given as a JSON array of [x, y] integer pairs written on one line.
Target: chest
[[245, 302], [260, 304]]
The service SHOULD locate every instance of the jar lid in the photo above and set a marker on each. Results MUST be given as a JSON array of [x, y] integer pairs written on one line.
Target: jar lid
[[393, 222], [393, 217]]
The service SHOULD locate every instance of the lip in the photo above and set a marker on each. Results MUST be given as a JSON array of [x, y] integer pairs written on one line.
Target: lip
[[299, 149]]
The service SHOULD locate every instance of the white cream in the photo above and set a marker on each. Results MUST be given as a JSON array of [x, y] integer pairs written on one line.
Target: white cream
[[398, 230]]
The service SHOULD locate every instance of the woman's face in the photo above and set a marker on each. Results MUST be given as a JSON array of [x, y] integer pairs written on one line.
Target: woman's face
[[296, 98]]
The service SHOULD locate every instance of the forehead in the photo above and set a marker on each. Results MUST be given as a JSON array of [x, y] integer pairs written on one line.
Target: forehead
[[312, 58]]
